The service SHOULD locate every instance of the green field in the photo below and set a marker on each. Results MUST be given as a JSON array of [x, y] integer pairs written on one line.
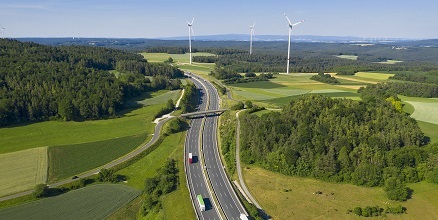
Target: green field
[[159, 97], [176, 205], [68, 160], [277, 193], [182, 58], [22, 170], [55, 133], [427, 112], [391, 62], [349, 57], [93, 202]]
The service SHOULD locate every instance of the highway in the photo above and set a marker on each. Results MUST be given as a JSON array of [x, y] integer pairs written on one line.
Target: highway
[[216, 176], [196, 178]]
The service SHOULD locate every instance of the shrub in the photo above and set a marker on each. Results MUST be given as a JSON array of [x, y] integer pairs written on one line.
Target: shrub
[[395, 189], [41, 190]]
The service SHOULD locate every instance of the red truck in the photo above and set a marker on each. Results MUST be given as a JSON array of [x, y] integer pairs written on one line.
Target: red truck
[[190, 158]]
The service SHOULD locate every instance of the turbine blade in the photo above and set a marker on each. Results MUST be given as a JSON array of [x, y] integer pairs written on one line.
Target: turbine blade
[[298, 23], [193, 20], [290, 23], [253, 25], [193, 34]]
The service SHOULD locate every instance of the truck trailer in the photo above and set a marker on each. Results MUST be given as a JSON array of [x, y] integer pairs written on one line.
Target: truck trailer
[[201, 203]]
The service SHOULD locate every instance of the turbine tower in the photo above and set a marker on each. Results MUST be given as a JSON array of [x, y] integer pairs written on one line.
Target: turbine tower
[[190, 37], [288, 45], [3, 32], [252, 33]]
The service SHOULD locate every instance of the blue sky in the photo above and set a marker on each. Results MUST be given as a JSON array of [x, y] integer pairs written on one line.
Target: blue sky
[[167, 18]]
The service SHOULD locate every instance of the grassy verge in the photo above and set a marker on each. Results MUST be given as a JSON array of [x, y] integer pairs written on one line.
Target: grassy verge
[[277, 193], [68, 160], [177, 204], [94, 202]]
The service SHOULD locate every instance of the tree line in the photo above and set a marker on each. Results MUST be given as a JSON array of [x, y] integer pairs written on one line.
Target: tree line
[[40, 82], [341, 140]]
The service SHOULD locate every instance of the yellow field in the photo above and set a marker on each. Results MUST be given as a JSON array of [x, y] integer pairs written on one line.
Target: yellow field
[[287, 197], [22, 170]]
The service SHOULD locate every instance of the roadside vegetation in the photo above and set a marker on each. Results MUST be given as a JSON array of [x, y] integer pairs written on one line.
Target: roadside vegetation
[[176, 204]]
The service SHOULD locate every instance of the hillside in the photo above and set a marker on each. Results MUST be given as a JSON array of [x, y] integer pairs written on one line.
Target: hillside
[[39, 83]]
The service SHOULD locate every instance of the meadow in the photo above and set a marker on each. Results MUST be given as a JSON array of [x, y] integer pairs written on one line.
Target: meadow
[[93, 202], [277, 193], [424, 111], [349, 57], [283, 88], [22, 170], [181, 58], [55, 133]]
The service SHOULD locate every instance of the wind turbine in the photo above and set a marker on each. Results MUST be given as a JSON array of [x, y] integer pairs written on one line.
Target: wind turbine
[[288, 45], [3, 32], [190, 37], [252, 33]]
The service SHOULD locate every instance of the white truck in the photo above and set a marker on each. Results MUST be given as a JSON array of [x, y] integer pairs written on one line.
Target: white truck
[[201, 202]]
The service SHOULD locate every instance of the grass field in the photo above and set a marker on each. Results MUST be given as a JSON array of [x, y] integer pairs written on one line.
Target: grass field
[[349, 57], [93, 202], [277, 193], [391, 62], [427, 112], [160, 97], [177, 204], [68, 160], [54, 133], [182, 58], [22, 170]]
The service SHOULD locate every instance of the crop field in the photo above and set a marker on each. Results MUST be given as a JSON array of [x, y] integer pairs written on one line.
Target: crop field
[[284, 88], [374, 76], [277, 193], [427, 112], [93, 202], [55, 133], [22, 170], [177, 204], [68, 160]]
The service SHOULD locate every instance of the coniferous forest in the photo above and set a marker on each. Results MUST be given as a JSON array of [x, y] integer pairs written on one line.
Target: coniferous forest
[[73, 82]]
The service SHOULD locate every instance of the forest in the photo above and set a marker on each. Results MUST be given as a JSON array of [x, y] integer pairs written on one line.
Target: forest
[[341, 140], [40, 82]]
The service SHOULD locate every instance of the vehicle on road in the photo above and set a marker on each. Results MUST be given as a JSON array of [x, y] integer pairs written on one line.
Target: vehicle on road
[[190, 158], [243, 217], [201, 203]]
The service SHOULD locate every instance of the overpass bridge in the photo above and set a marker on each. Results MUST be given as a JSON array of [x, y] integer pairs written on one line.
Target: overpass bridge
[[202, 112]]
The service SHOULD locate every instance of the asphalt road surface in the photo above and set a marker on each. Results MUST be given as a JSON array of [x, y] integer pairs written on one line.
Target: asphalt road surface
[[226, 197]]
